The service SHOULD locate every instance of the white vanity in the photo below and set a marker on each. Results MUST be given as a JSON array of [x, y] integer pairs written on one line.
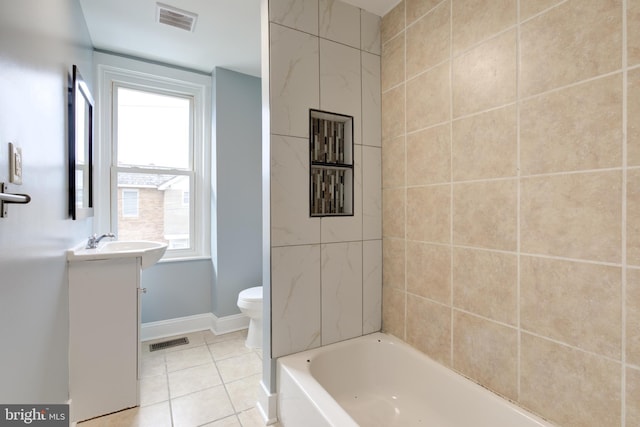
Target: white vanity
[[104, 325]]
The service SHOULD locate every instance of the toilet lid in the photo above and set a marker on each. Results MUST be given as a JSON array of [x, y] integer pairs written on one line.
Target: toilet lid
[[251, 294]]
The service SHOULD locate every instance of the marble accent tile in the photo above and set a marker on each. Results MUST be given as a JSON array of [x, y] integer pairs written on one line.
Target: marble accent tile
[[633, 217], [370, 25], [394, 113], [428, 213], [485, 76], [485, 214], [393, 162], [429, 271], [295, 292], [393, 260], [429, 156], [371, 193], [577, 40], [393, 62], [486, 145], [576, 128], [528, 8], [633, 112], [476, 20], [340, 22], [244, 392], [202, 407], [371, 100], [576, 303], [633, 32], [585, 390], [297, 14], [346, 228], [371, 286], [428, 98], [341, 83], [392, 22], [418, 8], [633, 317], [238, 367], [393, 222], [341, 283], [485, 283], [393, 311], [153, 390], [633, 397], [194, 379], [486, 352], [290, 221], [574, 216], [294, 80], [428, 40], [429, 328], [187, 358], [225, 349]]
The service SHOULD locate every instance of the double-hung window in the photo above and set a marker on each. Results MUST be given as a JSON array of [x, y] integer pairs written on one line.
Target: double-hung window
[[158, 166]]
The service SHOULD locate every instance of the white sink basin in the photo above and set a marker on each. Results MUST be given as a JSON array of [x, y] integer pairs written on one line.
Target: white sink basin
[[149, 251]]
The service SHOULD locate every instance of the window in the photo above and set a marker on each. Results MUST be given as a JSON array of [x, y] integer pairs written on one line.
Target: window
[[158, 166]]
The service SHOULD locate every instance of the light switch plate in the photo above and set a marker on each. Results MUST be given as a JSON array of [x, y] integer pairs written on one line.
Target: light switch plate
[[15, 164]]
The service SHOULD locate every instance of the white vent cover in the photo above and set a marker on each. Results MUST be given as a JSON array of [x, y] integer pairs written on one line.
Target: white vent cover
[[175, 17]]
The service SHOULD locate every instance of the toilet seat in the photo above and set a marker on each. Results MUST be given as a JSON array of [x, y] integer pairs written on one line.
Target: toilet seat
[[251, 294]]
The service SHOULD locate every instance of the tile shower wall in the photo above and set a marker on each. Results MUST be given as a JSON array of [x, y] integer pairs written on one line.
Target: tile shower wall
[[326, 272], [511, 197]]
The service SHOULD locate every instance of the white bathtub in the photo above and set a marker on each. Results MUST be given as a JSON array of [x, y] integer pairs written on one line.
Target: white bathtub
[[377, 380]]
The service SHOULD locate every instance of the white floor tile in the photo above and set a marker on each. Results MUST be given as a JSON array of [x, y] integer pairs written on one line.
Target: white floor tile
[[230, 348], [193, 379], [153, 390], [201, 407], [237, 367], [231, 421], [188, 358], [244, 392]]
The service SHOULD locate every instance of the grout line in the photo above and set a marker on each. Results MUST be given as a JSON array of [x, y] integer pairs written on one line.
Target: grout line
[[625, 118], [518, 208], [404, 184], [451, 188]]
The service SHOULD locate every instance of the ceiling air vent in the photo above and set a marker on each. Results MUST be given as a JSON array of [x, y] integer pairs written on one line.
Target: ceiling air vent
[[175, 17]]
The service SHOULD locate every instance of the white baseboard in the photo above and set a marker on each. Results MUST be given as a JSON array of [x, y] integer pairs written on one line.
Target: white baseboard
[[267, 405], [198, 322]]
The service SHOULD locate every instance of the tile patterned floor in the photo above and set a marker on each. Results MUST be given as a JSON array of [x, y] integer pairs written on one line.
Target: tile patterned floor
[[211, 382]]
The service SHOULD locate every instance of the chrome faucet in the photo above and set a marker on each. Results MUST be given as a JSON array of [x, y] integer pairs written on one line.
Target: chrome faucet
[[94, 240]]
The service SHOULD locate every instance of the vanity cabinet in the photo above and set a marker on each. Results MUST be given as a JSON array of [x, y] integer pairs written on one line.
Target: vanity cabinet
[[104, 336]]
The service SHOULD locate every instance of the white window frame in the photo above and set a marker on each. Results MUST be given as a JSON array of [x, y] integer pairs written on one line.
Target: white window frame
[[115, 71]]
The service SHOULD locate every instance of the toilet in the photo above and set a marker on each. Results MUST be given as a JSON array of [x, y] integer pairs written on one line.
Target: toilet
[[250, 303]]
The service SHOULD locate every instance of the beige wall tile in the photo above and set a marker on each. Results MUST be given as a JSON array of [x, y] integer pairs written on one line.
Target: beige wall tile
[[486, 352], [573, 129], [393, 311], [633, 114], [485, 77], [574, 41], [568, 386], [528, 8], [392, 65], [417, 8], [428, 213], [393, 259], [394, 116], [485, 145], [393, 162], [577, 303], [633, 397], [633, 32], [486, 283], [476, 20], [429, 156], [429, 328], [429, 271], [633, 217], [633, 317], [485, 214], [428, 40], [392, 22], [393, 201], [575, 216], [428, 98]]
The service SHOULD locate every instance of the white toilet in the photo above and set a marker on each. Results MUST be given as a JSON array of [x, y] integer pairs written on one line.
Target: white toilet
[[250, 303]]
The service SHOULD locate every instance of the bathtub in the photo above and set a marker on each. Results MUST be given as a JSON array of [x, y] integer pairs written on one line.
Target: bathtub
[[377, 380]]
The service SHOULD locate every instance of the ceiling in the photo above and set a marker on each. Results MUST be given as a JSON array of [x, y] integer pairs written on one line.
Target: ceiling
[[227, 32]]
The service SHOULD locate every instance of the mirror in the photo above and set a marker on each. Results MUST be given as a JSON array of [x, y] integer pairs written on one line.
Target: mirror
[[80, 148]]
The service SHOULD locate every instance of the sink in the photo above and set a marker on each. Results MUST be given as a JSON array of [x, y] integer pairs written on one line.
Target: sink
[[149, 251]]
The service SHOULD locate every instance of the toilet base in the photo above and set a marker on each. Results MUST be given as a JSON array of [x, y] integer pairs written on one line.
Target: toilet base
[[254, 336]]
